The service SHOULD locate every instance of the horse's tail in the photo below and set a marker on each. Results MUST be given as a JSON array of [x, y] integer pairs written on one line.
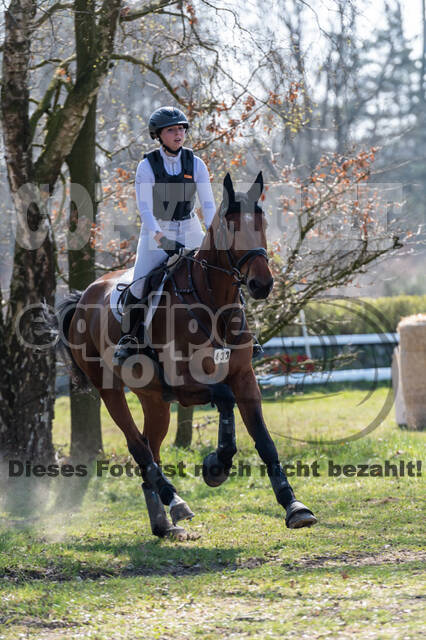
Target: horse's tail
[[59, 324]]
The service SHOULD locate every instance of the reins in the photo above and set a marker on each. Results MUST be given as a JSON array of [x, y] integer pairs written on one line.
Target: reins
[[235, 270]]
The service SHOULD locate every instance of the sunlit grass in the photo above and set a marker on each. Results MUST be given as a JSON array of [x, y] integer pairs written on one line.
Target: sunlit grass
[[96, 571]]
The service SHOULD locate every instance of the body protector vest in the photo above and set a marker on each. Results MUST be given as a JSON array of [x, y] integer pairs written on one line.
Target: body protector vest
[[173, 196]]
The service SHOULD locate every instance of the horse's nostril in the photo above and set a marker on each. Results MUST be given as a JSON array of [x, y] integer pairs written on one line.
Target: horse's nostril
[[256, 284], [260, 289]]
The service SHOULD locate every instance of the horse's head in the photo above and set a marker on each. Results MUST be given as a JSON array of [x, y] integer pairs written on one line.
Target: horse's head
[[240, 234]]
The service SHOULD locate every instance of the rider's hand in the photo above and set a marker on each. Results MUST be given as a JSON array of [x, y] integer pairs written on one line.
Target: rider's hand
[[170, 246]]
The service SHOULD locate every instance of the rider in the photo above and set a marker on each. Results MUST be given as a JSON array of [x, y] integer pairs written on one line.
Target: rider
[[166, 182]]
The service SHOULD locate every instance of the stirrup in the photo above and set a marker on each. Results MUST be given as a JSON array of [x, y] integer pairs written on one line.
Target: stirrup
[[126, 347]]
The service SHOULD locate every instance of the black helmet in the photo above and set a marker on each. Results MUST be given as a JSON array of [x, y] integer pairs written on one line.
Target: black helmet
[[165, 117]]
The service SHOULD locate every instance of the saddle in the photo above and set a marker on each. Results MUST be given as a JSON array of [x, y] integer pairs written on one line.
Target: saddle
[[151, 295], [153, 285]]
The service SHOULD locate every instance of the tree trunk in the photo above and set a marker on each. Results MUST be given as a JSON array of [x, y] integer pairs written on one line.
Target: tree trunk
[[86, 434], [422, 81], [184, 426], [27, 375]]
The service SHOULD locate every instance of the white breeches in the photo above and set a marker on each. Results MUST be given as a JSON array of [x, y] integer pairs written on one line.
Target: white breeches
[[148, 255]]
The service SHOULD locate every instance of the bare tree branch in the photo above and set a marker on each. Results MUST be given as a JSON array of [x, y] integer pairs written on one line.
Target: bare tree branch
[[44, 104], [48, 13], [128, 15], [153, 69], [68, 120]]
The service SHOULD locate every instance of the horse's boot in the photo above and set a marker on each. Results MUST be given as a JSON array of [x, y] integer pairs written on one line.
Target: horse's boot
[[128, 343]]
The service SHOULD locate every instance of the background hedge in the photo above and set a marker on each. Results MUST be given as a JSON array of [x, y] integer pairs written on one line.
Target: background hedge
[[357, 315]]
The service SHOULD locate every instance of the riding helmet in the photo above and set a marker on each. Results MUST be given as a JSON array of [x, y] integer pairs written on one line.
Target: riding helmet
[[165, 117]]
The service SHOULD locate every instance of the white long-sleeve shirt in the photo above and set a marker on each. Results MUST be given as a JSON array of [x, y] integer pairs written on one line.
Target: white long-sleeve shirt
[[145, 180]]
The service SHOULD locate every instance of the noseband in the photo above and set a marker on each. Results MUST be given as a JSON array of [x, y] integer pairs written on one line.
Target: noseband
[[250, 255]]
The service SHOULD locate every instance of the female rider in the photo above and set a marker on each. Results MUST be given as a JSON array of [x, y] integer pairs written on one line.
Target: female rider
[[166, 182]]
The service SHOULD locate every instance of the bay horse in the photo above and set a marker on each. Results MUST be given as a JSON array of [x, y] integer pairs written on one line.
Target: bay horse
[[203, 349]]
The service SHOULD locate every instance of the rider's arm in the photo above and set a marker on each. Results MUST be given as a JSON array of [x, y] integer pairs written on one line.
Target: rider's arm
[[204, 191], [143, 184]]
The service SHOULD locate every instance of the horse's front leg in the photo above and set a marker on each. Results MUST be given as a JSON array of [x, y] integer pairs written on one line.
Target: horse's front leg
[[248, 397]]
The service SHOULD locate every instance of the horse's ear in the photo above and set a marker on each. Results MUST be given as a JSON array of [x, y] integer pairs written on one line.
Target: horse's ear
[[256, 190], [228, 190]]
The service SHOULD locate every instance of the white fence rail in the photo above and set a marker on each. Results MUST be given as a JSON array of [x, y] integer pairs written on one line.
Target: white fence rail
[[324, 377]]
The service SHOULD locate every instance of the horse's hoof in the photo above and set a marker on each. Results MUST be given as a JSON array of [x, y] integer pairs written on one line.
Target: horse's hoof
[[214, 471], [180, 534], [299, 516], [161, 532], [179, 510], [176, 532]]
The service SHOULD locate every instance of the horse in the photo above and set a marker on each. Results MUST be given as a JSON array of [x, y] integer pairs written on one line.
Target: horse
[[201, 352]]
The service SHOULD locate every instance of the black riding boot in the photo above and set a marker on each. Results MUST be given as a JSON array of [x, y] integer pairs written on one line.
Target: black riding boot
[[128, 343]]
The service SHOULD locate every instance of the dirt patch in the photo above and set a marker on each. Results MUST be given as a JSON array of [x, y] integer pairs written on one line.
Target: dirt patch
[[53, 573], [387, 556], [56, 574], [382, 500], [252, 563]]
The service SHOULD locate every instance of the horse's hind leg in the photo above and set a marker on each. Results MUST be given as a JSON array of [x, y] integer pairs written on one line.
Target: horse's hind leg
[[216, 465], [158, 490], [160, 524], [156, 424]]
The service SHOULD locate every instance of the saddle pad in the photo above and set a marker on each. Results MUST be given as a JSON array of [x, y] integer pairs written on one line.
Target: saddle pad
[[154, 298]]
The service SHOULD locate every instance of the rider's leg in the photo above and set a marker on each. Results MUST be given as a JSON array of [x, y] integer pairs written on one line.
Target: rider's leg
[[132, 312], [148, 256]]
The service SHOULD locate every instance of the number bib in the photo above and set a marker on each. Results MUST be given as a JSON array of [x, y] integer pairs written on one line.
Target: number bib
[[221, 355]]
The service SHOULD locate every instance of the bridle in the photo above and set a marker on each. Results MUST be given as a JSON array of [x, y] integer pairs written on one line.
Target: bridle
[[235, 270], [235, 265], [250, 255]]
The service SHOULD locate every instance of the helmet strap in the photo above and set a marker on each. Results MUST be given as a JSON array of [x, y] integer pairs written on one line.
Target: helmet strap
[[174, 153]]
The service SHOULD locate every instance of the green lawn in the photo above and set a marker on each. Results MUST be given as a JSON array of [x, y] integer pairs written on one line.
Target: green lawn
[[95, 570]]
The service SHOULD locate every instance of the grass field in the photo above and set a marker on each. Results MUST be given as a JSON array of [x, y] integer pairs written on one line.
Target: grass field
[[95, 570]]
